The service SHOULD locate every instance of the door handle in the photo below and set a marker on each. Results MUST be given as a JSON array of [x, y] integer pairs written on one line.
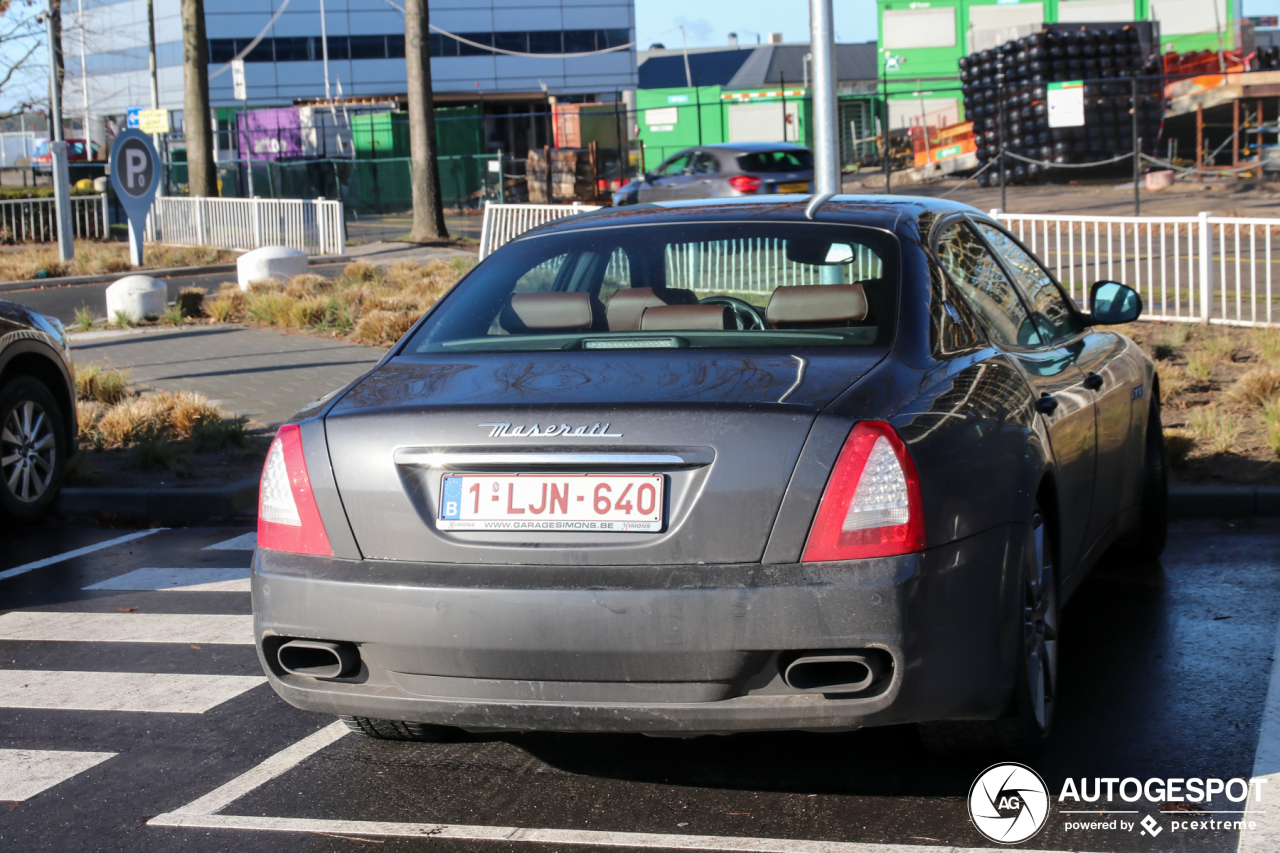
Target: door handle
[[1093, 381], [1047, 404]]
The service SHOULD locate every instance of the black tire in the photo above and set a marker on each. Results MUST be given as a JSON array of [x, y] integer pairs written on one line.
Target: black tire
[[1026, 724], [1148, 541], [33, 452], [400, 730]]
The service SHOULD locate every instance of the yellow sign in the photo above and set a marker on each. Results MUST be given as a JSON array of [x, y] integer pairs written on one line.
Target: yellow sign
[[153, 121]]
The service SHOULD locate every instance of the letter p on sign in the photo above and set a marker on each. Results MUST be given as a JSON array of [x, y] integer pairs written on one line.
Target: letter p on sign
[[135, 168]]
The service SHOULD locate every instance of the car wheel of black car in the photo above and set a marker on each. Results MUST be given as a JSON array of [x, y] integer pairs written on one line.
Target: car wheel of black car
[[1149, 540], [32, 448], [1024, 728], [400, 730]]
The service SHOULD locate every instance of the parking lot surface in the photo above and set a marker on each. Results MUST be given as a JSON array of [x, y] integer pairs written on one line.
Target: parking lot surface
[[134, 716]]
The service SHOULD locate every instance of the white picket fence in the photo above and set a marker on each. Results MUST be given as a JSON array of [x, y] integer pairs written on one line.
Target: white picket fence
[[35, 220], [315, 226], [1204, 269], [504, 222]]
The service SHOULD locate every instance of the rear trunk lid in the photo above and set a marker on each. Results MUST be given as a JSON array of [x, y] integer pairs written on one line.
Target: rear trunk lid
[[723, 430]]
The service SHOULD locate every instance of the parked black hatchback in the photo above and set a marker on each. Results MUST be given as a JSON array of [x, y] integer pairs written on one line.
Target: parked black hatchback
[[37, 410]]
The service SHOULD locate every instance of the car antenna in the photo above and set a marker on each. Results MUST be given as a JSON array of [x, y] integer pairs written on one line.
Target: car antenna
[[811, 210]]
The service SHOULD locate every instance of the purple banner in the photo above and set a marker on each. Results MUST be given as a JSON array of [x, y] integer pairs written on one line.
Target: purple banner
[[270, 134]]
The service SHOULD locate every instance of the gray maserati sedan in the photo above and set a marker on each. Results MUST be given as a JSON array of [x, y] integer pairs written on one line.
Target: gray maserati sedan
[[709, 467]]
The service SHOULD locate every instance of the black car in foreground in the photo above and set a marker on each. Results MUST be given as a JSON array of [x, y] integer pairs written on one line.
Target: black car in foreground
[[37, 410], [712, 467]]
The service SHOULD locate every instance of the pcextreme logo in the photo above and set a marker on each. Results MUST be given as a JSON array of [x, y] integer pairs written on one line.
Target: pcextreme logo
[[1009, 803]]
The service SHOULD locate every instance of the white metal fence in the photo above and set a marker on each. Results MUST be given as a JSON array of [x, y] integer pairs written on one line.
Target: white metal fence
[[35, 220], [504, 222], [753, 265], [315, 226], [1206, 269]]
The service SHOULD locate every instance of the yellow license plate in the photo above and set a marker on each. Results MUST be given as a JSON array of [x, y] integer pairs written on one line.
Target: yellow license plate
[[796, 187]]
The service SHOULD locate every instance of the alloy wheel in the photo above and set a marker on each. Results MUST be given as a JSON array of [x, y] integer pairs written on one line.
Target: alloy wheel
[[1040, 624], [28, 451]]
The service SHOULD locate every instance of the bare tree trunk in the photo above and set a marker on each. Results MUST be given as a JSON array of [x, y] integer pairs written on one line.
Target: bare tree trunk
[[428, 207], [202, 174], [60, 70]]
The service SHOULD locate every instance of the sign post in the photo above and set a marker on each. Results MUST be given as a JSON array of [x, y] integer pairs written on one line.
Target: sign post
[[135, 174]]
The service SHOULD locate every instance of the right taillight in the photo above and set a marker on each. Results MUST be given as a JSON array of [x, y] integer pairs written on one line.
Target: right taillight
[[288, 517], [871, 506], [745, 183]]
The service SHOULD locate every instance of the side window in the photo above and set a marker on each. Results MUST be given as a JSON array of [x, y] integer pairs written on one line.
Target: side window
[[617, 275], [705, 163], [674, 166], [979, 277], [1052, 313]]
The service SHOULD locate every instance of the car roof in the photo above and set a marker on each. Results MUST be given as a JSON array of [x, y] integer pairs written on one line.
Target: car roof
[[889, 212]]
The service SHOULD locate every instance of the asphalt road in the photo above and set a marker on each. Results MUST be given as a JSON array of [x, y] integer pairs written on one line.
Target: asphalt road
[[135, 718]]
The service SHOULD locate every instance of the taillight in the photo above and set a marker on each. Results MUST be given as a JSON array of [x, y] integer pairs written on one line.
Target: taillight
[[288, 518], [871, 506], [745, 183]]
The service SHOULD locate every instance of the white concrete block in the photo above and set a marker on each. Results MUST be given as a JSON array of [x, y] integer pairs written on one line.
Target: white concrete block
[[278, 262], [137, 296]]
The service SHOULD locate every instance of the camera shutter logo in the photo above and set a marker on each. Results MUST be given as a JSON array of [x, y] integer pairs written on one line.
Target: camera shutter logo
[[1009, 803]]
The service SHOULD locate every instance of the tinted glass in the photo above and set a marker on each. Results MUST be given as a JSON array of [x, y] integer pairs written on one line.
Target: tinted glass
[[674, 166], [732, 278], [1052, 313], [368, 47], [339, 47], [579, 41], [614, 38], [516, 41], [395, 46], [776, 161], [471, 50], [705, 164], [545, 41], [984, 285], [293, 49]]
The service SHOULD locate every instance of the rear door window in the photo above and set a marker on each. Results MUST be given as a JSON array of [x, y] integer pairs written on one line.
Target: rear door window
[[691, 285], [705, 163], [776, 161], [1051, 311], [982, 281]]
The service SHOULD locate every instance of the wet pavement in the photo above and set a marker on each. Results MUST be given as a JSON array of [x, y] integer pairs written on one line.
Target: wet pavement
[[1165, 670]]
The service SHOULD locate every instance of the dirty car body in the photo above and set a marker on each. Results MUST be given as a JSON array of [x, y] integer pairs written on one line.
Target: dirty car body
[[731, 372]]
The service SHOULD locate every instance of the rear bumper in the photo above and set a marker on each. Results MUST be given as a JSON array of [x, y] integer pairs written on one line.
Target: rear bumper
[[659, 649]]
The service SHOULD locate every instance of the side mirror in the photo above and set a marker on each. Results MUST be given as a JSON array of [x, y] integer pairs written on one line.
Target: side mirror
[[1113, 303]]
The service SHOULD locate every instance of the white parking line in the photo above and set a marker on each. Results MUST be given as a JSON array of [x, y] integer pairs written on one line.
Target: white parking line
[[79, 552], [1265, 836], [127, 627], [201, 814], [184, 580], [246, 542], [26, 772], [145, 692]]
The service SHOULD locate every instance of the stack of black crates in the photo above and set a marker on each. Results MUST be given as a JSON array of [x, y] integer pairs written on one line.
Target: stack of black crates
[[1106, 57]]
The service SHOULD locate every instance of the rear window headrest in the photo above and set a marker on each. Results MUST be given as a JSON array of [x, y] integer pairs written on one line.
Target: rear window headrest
[[676, 317], [627, 304], [817, 303], [550, 312]]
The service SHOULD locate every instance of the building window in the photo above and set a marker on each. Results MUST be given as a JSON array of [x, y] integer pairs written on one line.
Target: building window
[[308, 49]]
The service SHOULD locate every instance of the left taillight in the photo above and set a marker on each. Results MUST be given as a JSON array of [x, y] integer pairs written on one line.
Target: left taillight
[[871, 506], [745, 183], [288, 518]]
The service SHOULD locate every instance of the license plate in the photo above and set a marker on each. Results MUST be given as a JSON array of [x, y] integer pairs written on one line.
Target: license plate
[[588, 503], [797, 187]]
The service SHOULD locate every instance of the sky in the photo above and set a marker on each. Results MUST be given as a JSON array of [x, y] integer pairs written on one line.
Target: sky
[[707, 23]]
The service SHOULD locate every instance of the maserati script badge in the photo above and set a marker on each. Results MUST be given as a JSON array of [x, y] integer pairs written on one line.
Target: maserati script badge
[[593, 431]]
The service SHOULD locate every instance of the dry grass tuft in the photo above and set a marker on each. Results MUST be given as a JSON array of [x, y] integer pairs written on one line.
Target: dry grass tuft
[[1215, 427], [95, 258], [1218, 347], [383, 327], [1169, 340], [1178, 444], [1271, 420], [167, 414], [1173, 383], [1200, 367], [1257, 386], [1267, 343], [88, 413], [307, 284], [101, 383], [362, 271]]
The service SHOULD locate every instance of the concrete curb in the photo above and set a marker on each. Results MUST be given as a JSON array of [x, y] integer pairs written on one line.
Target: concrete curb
[[63, 281], [1224, 501], [161, 506]]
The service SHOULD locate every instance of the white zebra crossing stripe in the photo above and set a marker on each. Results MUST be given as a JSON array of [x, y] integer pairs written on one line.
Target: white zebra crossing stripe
[[247, 542], [184, 580], [127, 627], [79, 552], [26, 772], [153, 692]]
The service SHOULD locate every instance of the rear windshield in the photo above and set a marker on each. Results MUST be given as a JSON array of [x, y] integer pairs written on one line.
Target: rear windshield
[[698, 285], [776, 161]]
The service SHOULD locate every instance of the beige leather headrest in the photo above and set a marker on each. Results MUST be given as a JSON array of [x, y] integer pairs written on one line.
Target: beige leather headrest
[[626, 305], [817, 303], [561, 311], [676, 317]]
